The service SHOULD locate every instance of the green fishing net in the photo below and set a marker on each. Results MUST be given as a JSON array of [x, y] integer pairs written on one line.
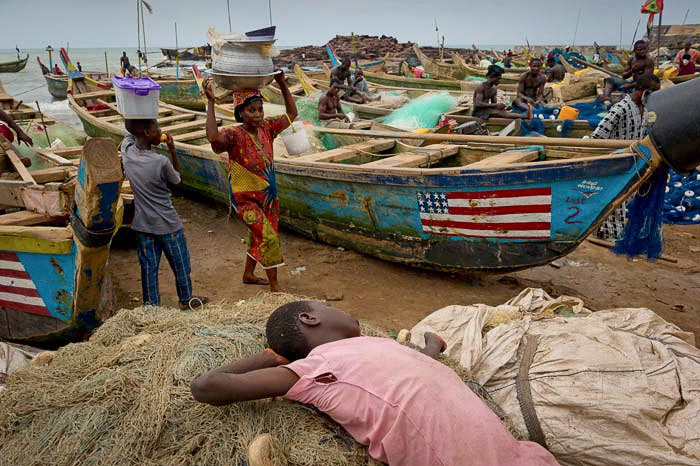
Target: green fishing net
[[422, 112]]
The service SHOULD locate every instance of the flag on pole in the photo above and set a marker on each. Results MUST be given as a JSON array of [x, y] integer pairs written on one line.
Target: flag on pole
[[651, 8]]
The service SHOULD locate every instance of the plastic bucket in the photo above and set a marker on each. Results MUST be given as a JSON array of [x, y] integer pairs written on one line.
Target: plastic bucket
[[295, 140], [137, 98], [568, 113]]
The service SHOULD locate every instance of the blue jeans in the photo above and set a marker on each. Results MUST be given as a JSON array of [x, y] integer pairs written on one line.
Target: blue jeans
[[150, 249]]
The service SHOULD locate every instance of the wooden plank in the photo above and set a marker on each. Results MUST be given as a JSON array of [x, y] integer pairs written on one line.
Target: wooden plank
[[520, 141], [161, 112], [202, 133], [93, 95], [16, 161], [53, 158], [505, 158], [418, 158], [508, 129], [27, 218], [348, 152], [52, 174], [186, 125], [173, 118]]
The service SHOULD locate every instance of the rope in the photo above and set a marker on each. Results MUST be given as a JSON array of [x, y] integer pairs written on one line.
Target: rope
[[524, 394], [29, 90]]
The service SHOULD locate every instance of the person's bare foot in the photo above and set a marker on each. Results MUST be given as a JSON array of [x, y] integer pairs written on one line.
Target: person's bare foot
[[255, 280], [529, 111], [275, 288]]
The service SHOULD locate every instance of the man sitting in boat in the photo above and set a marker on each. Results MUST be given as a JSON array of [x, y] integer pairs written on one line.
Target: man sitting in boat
[[56, 69], [330, 112], [628, 120], [359, 84], [639, 65], [342, 77], [687, 66], [486, 103], [555, 71], [687, 50], [531, 86]]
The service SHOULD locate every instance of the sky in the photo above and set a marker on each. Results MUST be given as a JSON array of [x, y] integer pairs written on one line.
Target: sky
[[112, 23]]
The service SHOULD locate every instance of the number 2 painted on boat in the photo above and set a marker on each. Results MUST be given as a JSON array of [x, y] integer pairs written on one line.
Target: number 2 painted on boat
[[570, 219]]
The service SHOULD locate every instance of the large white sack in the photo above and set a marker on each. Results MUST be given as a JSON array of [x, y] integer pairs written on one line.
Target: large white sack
[[614, 387]]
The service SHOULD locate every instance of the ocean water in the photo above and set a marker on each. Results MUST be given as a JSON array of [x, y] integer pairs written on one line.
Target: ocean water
[[29, 85]]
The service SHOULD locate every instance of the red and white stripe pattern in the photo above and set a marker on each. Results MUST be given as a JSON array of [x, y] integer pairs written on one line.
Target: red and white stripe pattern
[[503, 213], [17, 290]]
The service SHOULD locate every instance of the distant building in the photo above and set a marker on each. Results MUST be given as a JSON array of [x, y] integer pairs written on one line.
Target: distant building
[[675, 36]]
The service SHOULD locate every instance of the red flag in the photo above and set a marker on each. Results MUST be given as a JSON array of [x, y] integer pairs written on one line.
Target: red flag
[[653, 6]]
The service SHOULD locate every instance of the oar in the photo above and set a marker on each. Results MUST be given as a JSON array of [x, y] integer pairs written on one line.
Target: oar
[[595, 67], [43, 123]]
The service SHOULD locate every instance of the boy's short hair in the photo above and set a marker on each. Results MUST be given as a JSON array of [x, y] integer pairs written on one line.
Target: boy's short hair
[[284, 336], [639, 43], [686, 56], [494, 70], [137, 127], [645, 81]]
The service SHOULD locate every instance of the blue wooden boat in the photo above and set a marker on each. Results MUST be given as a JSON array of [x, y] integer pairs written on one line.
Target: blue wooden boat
[[487, 205], [54, 284]]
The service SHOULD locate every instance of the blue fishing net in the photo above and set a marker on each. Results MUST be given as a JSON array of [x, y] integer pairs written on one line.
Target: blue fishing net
[[682, 200], [593, 112], [422, 112]]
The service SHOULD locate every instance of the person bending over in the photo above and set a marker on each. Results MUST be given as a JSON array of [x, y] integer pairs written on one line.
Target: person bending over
[[408, 408]]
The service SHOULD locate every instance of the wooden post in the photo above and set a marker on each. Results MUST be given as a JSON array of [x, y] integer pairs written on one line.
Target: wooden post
[[658, 40], [106, 65], [97, 208]]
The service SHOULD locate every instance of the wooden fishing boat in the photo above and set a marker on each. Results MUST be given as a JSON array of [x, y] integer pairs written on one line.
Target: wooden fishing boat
[[14, 66], [488, 204], [56, 226], [510, 77], [416, 83], [42, 128], [182, 92], [58, 83], [438, 69]]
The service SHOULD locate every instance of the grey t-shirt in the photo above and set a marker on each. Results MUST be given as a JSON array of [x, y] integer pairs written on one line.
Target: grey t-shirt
[[149, 172]]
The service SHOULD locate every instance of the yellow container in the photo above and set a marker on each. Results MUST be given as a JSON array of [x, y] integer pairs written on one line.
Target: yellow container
[[568, 113]]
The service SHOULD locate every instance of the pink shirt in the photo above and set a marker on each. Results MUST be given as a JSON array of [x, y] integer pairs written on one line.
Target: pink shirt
[[408, 408]]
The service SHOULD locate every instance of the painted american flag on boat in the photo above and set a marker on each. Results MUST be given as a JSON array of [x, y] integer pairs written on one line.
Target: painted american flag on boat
[[17, 289], [503, 213]]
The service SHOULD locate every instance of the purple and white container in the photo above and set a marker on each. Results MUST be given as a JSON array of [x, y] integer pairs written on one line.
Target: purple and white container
[[137, 98]]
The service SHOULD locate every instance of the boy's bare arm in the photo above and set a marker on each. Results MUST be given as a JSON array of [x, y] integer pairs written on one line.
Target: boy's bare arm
[[252, 378]]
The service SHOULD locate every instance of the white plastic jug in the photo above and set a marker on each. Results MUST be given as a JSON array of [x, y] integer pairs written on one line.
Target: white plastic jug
[[295, 140]]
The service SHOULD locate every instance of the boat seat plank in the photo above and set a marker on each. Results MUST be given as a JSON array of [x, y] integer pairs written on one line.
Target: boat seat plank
[[419, 158], [199, 123], [53, 174], [26, 218], [161, 112], [191, 135], [348, 152], [174, 118], [93, 95], [507, 157]]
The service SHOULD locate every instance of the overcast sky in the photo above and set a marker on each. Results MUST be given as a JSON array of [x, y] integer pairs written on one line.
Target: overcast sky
[[112, 23]]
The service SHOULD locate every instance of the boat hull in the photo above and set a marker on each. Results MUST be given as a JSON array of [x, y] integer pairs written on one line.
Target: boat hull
[[183, 93], [58, 86], [14, 66]]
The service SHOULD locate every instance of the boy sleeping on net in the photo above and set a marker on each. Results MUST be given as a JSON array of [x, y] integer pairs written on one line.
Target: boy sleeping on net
[[408, 408]]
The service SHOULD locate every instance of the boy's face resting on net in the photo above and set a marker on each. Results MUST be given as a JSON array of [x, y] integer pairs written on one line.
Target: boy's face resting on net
[[327, 319]]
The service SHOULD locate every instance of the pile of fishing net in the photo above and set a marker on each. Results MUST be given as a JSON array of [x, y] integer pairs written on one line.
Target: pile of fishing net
[[682, 199], [422, 112], [123, 397]]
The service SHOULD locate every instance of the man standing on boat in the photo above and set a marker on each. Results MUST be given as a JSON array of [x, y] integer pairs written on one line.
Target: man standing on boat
[[626, 120], [639, 65], [486, 103], [531, 86], [125, 65]]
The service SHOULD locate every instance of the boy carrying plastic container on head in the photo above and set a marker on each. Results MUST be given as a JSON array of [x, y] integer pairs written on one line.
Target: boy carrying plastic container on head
[[155, 219], [408, 408]]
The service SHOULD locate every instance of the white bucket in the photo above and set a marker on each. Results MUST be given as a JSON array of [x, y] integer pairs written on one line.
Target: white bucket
[[295, 140]]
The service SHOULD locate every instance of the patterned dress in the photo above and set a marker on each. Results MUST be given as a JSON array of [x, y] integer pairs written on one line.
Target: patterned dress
[[623, 121], [254, 188]]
